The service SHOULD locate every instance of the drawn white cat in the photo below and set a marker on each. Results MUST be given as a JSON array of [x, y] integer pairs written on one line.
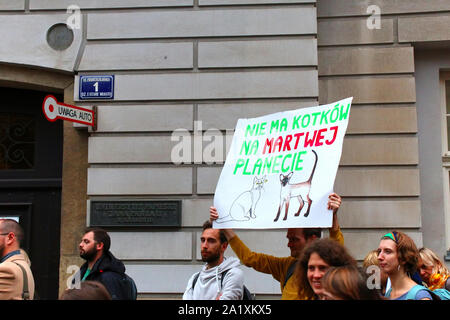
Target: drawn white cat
[[244, 206]]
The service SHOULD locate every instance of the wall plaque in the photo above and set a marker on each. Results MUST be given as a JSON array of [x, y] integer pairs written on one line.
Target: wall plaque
[[154, 213]]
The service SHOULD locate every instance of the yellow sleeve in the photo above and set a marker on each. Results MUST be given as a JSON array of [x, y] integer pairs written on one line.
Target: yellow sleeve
[[337, 235], [261, 262]]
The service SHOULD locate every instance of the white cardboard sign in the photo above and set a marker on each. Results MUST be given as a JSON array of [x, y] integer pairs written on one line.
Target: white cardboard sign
[[281, 168]]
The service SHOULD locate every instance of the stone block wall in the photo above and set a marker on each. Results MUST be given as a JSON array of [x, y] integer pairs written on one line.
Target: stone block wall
[[379, 173], [185, 65], [202, 64]]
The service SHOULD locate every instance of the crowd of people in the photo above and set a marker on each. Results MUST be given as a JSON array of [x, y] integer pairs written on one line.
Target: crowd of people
[[317, 268], [101, 277], [324, 269]]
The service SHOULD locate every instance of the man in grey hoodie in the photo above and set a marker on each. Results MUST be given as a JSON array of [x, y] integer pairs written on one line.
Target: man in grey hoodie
[[208, 283]]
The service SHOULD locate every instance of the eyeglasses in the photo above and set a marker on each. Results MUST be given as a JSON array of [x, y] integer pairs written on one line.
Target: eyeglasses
[[4, 234]]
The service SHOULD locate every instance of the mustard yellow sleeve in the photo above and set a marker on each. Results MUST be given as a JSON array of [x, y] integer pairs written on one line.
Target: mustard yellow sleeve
[[261, 262], [337, 235]]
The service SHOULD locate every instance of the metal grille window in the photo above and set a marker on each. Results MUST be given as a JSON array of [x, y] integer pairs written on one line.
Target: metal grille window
[[17, 141]]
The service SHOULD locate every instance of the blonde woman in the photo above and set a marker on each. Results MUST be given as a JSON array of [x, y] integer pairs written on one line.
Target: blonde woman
[[433, 271], [371, 260]]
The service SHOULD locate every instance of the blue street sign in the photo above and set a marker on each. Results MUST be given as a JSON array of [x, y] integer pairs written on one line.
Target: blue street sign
[[96, 87]]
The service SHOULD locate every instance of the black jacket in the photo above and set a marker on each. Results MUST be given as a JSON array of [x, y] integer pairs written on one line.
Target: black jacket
[[110, 272]]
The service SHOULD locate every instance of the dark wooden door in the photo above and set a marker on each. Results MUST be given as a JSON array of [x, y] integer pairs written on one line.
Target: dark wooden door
[[30, 180]]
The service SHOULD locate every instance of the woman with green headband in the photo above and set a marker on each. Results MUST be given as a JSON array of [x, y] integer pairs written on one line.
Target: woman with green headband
[[398, 257]]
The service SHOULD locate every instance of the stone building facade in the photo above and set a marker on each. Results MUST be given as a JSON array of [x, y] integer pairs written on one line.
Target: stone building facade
[[202, 64]]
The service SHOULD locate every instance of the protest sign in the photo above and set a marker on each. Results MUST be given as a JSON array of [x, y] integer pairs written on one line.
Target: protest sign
[[281, 168]]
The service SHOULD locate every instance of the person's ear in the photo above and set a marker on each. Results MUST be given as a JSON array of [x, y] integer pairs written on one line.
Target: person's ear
[[10, 237], [224, 246], [99, 246], [311, 238]]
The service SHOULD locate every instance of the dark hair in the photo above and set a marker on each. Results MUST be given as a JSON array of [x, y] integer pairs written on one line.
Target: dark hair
[[10, 225], [330, 251], [100, 236], [208, 225], [310, 232], [89, 290], [348, 282], [408, 254]]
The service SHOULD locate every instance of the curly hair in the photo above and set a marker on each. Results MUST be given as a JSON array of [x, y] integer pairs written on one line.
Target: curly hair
[[408, 254], [330, 251]]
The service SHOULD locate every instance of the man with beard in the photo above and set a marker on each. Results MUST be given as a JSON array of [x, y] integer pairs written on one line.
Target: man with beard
[[101, 265], [220, 278], [282, 268], [13, 264]]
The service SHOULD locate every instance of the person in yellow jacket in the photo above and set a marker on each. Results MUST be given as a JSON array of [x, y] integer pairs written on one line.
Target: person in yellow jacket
[[282, 268]]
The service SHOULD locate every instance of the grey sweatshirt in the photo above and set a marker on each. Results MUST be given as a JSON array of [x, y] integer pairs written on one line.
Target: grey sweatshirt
[[208, 285]]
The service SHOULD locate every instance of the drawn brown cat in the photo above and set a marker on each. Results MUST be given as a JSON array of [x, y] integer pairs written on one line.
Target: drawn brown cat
[[298, 190]]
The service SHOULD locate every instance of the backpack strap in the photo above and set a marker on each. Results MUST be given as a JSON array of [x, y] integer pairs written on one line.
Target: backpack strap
[[411, 295], [222, 275], [246, 295], [290, 272], [194, 281], [25, 291], [131, 287], [221, 278]]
